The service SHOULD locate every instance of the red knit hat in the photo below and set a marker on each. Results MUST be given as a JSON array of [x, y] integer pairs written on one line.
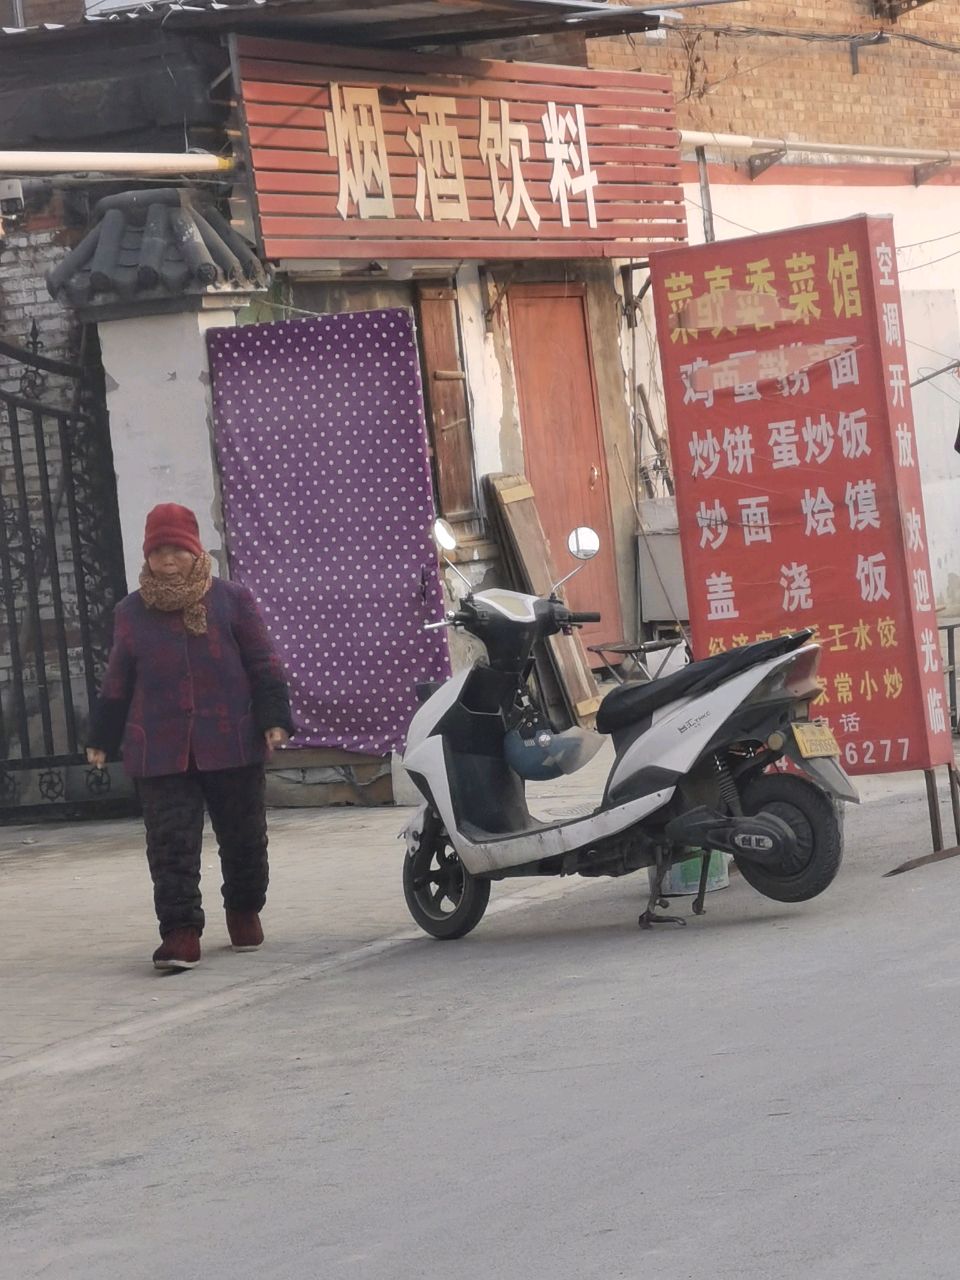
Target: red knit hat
[[173, 525]]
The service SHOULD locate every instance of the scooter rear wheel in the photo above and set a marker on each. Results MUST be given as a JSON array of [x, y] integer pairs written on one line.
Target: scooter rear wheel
[[815, 823], [442, 896]]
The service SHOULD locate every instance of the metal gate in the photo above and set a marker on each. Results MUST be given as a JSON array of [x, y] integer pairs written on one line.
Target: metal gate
[[61, 573]]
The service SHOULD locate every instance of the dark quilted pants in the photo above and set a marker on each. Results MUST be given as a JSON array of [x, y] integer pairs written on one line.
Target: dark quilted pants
[[173, 808]]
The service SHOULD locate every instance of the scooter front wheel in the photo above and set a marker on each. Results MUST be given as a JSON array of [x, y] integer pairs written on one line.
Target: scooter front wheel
[[442, 896]]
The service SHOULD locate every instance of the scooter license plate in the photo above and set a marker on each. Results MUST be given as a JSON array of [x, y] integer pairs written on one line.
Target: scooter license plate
[[815, 740]]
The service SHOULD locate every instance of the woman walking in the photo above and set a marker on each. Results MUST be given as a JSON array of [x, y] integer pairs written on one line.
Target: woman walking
[[197, 697]]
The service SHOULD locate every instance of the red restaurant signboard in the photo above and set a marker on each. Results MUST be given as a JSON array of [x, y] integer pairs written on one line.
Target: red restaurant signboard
[[798, 488], [359, 153]]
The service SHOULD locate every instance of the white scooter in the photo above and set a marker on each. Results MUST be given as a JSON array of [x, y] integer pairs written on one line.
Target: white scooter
[[691, 774]]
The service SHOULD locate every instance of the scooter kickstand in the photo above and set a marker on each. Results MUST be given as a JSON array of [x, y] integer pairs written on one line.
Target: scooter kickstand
[[649, 917], [698, 907]]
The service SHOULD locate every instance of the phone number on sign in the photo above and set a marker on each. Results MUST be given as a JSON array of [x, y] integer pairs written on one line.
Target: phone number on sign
[[884, 751]]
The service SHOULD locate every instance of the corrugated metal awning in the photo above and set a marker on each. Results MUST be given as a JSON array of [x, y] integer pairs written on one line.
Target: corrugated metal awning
[[458, 21], [381, 22]]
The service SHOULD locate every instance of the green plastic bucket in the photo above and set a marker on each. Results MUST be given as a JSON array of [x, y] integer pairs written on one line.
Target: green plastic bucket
[[684, 877]]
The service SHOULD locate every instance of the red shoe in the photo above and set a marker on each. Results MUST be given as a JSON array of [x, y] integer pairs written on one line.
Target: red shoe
[[180, 949], [246, 932]]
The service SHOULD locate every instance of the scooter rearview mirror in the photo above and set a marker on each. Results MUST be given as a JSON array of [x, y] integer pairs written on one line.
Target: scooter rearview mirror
[[583, 543], [446, 540], [444, 536]]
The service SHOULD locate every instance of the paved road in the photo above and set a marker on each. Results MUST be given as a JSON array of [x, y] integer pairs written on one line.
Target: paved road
[[768, 1093]]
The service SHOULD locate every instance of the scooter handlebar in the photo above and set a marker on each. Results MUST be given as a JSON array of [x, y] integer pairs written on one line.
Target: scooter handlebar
[[458, 619], [577, 619]]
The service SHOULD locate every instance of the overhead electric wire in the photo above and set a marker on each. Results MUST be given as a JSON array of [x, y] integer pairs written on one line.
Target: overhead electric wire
[[819, 37], [917, 266], [723, 217], [900, 247], [933, 240], [933, 350]]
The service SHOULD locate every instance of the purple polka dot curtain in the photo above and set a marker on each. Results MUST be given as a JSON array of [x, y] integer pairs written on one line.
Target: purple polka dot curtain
[[321, 444]]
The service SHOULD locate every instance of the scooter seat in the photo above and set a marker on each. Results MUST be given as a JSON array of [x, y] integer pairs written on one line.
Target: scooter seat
[[629, 703]]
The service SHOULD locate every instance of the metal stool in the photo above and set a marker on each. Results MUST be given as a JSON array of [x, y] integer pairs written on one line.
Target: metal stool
[[636, 655]]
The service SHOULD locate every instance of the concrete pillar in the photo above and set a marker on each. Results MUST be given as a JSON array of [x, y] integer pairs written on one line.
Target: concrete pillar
[[161, 423]]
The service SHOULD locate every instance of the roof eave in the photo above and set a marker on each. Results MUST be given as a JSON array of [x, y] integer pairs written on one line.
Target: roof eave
[[511, 19]]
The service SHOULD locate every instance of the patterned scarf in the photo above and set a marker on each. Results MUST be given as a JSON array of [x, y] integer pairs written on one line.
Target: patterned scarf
[[176, 595]]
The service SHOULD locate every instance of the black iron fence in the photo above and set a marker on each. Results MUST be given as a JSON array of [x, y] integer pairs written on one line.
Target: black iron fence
[[61, 573]]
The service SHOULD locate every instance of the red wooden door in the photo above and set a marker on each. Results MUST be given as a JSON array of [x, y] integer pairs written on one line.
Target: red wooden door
[[563, 442]]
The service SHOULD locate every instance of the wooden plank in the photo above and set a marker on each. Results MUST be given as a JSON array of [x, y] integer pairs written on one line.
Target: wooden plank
[[467, 112], [511, 90], [403, 161], [566, 652], [313, 115], [640, 174], [632, 167], [403, 167], [519, 494], [609, 103], [431, 250], [298, 137], [549, 692], [533, 554], [306, 249], [307, 109], [289, 204], [425, 64], [363, 229], [615, 221], [286, 180]]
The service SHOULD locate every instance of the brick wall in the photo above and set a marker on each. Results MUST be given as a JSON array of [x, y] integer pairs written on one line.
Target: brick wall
[[728, 81], [27, 252], [565, 48]]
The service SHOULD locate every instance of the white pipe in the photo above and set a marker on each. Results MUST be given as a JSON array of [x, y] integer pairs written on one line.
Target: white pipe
[[742, 142], [143, 162], [152, 162]]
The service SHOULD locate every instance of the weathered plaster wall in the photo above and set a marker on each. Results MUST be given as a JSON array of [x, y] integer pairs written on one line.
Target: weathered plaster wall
[[931, 325], [158, 398], [485, 375]]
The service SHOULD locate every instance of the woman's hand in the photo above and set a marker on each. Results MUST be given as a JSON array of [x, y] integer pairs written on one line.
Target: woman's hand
[[96, 757], [276, 738]]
